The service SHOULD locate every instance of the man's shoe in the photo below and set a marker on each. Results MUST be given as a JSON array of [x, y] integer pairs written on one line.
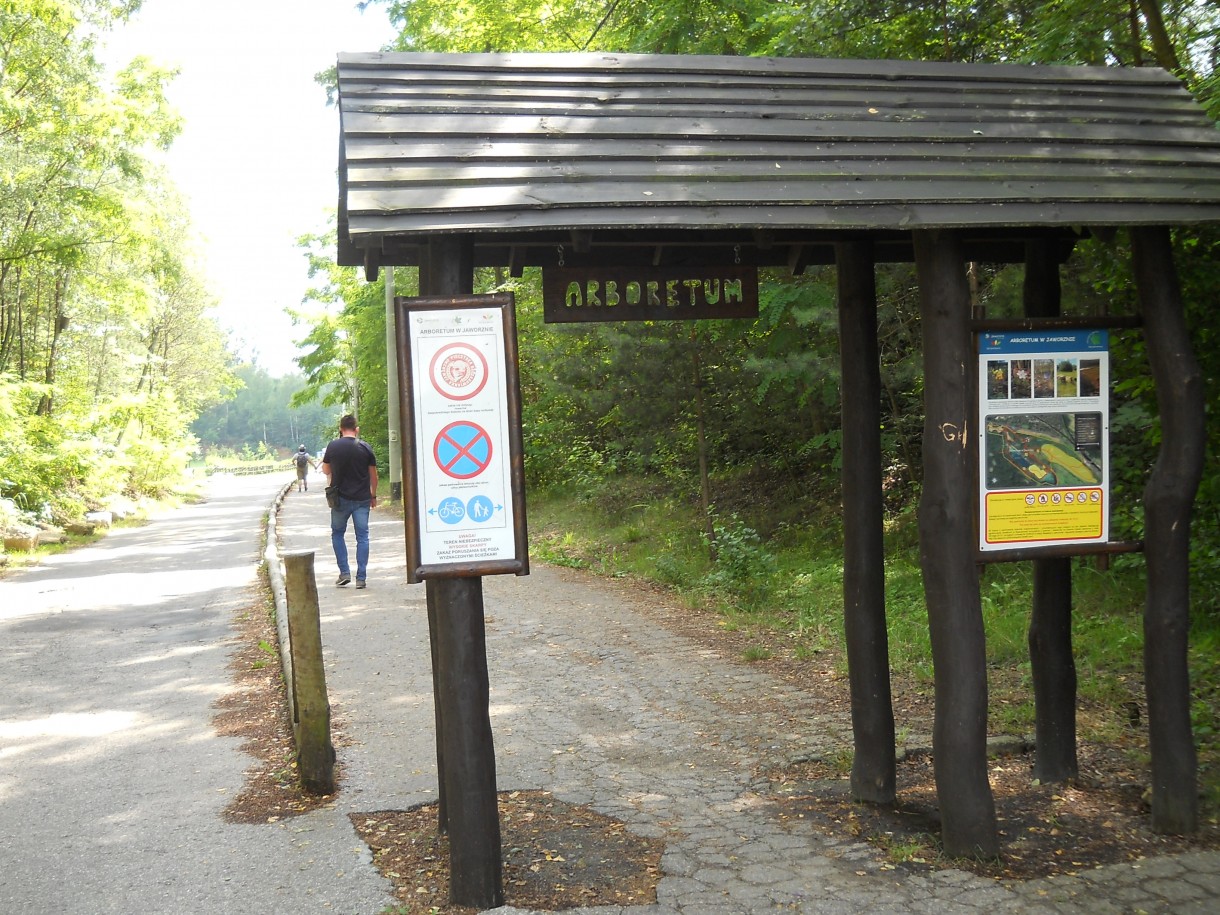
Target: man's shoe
[[360, 584], [344, 578]]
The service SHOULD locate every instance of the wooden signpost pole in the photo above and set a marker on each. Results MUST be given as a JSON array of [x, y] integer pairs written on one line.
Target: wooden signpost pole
[[872, 713], [1168, 504], [1050, 624], [465, 747], [946, 548]]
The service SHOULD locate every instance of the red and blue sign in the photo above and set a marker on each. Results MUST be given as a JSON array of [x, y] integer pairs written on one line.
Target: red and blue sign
[[462, 450]]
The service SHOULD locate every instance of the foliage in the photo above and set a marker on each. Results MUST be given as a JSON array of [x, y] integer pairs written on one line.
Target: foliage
[[345, 337], [261, 413], [106, 346], [742, 566]]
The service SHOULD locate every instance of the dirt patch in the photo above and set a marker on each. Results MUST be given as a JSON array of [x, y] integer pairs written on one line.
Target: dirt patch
[[1044, 830], [555, 856]]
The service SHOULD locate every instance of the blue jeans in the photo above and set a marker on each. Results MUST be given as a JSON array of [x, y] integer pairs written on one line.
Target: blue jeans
[[359, 513]]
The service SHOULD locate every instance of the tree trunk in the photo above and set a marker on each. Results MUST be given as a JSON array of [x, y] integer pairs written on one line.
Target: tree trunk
[[946, 546], [1154, 22], [868, 666], [1168, 503], [1050, 626], [59, 323]]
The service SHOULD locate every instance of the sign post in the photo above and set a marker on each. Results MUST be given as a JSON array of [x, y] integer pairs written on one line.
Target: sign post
[[462, 451], [464, 515], [1043, 433]]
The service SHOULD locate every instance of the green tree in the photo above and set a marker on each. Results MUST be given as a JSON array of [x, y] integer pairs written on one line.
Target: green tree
[[106, 350]]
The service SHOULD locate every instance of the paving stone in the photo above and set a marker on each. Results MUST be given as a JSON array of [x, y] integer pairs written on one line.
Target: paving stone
[[1174, 891]]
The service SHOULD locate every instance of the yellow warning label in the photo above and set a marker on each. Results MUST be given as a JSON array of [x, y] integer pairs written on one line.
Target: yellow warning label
[[1057, 514]]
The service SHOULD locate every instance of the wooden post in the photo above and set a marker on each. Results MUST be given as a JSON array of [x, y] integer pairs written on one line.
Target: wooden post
[[1168, 504], [475, 874], [442, 806], [442, 810], [947, 546], [311, 706], [868, 666], [465, 751], [1050, 624]]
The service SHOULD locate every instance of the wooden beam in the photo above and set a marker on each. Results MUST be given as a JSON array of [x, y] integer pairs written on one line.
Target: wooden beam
[[1080, 322], [946, 546], [868, 667], [475, 868], [464, 743], [1101, 550], [1168, 504], [798, 259], [1050, 625], [582, 240]]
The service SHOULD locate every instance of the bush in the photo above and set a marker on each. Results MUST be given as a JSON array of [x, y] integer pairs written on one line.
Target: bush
[[743, 566]]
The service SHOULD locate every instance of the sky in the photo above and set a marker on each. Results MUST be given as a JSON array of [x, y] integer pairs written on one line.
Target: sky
[[258, 152]]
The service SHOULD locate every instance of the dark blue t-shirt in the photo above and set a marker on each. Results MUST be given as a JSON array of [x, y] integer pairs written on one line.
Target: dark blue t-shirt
[[350, 459]]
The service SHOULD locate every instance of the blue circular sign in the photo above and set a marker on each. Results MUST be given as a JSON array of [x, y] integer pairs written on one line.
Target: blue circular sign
[[451, 510], [480, 509]]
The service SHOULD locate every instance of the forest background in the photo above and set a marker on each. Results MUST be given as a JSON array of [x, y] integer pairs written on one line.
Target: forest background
[[703, 455]]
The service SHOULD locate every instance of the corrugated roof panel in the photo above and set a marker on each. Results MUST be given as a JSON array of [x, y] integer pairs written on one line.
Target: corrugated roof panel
[[495, 144]]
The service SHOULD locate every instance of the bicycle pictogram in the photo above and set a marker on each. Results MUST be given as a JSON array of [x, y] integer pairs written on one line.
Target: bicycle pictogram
[[451, 510]]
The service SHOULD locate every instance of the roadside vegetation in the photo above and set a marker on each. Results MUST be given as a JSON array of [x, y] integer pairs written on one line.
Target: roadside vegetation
[[787, 589]]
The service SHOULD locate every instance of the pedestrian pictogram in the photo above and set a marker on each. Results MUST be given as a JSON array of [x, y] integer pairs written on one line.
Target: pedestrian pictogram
[[480, 509], [463, 450], [458, 371]]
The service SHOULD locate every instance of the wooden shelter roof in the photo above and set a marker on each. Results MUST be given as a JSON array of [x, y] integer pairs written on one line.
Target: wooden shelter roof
[[637, 158]]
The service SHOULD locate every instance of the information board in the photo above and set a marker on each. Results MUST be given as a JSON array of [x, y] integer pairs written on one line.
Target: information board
[[462, 451], [1043, 438]]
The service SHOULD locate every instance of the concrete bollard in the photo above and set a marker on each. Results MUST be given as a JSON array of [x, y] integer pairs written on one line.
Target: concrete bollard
[[310, 703]]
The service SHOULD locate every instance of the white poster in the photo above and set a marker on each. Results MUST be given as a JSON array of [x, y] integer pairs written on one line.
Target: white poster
[[462, 435]]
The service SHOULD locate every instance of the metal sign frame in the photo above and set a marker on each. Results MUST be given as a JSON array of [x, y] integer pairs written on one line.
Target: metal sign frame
[[462, 451]]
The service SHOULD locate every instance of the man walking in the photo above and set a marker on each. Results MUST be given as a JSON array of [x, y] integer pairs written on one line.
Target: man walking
[[351, 467], [303, 462]]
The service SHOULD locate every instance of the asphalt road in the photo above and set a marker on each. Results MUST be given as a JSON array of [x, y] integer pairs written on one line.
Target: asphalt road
[[112, 778]]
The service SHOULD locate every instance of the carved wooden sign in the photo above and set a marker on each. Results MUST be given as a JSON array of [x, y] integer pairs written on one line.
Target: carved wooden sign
[[578, 294]]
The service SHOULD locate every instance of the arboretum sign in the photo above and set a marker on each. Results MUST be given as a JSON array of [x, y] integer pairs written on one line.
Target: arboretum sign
[[579, 294]]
